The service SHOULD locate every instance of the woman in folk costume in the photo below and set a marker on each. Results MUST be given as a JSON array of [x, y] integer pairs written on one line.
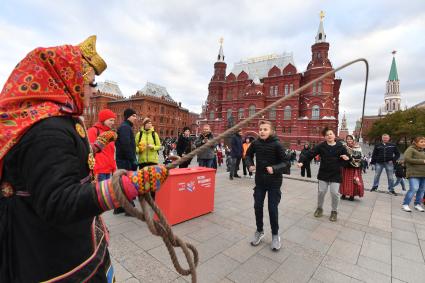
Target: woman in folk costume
[[50, 229], [105, 156], [352, 181]]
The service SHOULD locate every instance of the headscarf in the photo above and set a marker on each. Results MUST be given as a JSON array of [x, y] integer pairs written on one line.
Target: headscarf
[[47, 82]]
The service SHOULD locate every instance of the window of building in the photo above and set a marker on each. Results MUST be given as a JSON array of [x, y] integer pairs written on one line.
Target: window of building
[[299, 141], [161, 119], [229, 113], [271, 90], [319, 88], [251, 110], [172, 133], [229, 95], [291, 88], [212, 115], [315, 112], [287, 113], [393, 105], [286, 90], [272, 113], [162, 110], [289, 130], [276, 90], [240, 113], [314, 89], [283, 129]]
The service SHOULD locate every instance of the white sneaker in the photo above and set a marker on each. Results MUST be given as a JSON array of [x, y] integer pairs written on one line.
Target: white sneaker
[[405, 207], [419, 207], [275, 245]]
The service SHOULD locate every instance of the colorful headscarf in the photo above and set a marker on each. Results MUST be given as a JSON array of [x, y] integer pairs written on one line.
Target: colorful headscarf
[[47, 82]]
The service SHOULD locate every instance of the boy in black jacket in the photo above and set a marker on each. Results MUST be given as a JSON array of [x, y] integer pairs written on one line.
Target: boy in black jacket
[[332, 155], [270, 162]]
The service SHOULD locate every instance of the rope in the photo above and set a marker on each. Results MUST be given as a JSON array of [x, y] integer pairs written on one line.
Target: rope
[[159, 228], [214, 141]]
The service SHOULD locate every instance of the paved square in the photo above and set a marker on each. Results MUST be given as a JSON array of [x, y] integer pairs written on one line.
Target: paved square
[[372, 241]]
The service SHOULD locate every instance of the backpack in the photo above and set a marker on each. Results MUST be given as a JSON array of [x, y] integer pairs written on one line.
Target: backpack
[[153, 137]]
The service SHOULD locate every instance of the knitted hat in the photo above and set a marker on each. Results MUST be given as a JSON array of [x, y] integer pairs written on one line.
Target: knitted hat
[[106, 114], [128, 112], [146, 120]]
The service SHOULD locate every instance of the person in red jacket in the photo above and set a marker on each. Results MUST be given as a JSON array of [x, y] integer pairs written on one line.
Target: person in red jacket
[[105, 158]]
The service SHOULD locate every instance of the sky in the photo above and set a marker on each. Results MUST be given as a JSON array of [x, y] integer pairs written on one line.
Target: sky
[[175, 43]]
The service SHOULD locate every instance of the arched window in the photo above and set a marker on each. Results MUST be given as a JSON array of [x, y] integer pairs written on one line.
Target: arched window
[[229, 113], [286, 90], [393, 106], [272, 113], [320, 36], [251, 110], [291, 88], [314, 89], [229, 95], [240, 113], [287, 113], [212, 115], [315, 112], [319, 88]]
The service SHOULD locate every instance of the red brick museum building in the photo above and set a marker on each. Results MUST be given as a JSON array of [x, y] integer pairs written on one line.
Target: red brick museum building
[[257, 82]]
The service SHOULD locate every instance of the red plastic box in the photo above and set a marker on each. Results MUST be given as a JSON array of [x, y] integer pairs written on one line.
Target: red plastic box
[[187, 193]]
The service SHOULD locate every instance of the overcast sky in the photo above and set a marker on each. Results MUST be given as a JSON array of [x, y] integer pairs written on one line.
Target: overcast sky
[[175, 43]]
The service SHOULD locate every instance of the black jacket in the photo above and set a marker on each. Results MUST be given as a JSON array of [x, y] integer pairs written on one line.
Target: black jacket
[[304, 151], [330, 161], [384, 153], [236, 146], [400, 170], [184, 145], [48, 232], [126, 144], [269, 152]]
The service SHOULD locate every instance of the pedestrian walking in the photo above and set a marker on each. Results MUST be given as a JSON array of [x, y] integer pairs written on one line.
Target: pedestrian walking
[[384, 155], [414, 158], [306, 167]]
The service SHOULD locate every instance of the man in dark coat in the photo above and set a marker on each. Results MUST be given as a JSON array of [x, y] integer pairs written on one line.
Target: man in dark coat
[[184, 146], [236, 154], [306, 166], [126, 146], [384, 155]]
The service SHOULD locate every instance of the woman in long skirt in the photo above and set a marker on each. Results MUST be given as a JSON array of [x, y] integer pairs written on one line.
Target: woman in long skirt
[[352, 181]]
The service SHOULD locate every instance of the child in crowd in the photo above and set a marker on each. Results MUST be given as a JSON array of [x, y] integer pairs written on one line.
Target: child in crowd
[[400, 173], [332, 154], [270, 162]]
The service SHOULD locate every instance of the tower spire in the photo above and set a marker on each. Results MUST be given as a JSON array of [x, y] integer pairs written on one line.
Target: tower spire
[[393, 72], [321, 35], [220, 57]]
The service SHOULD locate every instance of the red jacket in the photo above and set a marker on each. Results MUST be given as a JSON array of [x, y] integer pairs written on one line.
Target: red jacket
[[105, 159]]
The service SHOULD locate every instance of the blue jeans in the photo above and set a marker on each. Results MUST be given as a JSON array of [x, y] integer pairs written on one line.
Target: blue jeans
[[103, 176], [401, 182], [416, 186], [206, 162], [389, 169]]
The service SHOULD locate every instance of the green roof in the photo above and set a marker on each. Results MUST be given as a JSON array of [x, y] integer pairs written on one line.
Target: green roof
[[393, 73]]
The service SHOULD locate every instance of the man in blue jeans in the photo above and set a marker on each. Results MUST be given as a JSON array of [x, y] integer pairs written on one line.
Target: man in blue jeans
[[384, 156]]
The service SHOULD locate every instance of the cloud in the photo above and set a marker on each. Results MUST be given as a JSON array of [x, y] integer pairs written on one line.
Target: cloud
[[175, 43]]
